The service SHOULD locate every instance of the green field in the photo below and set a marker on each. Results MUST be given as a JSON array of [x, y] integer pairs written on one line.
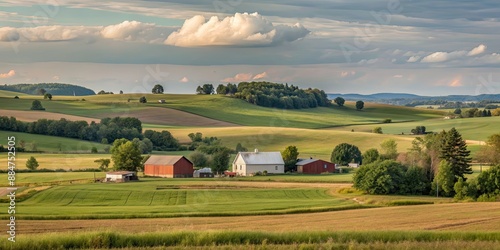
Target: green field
[[166, 198], [478, 128], [51, 144], [51, 177]]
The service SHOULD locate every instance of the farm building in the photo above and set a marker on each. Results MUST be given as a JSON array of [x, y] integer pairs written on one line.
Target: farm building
[[314, 166], [161, 101], [121, 176], [169, 166], [203, 173], [249, 163]]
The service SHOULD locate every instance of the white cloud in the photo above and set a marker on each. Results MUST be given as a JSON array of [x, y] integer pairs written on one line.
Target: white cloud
[[238, 30], [477, 50], [241, 77], [9, 74], [260, 76], [184, 80], [347, 73], [448, 56], [413, 59], [8, 34], [127, 30], [397, 76], [57, 33]]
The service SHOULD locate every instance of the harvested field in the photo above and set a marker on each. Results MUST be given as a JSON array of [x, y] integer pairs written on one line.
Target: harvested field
[[167, 116], [441, 217], [30, 116]]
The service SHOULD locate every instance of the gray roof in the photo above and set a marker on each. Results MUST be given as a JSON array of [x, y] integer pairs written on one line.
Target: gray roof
[[121, 173], [261, 158], [164, 159], [306, 161]]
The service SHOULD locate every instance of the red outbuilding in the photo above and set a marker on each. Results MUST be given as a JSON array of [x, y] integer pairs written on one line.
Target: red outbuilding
[[314, 166], [168, 166]]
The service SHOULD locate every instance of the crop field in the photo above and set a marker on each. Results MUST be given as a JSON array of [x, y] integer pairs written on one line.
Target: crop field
[[463, 217], [30, 116]]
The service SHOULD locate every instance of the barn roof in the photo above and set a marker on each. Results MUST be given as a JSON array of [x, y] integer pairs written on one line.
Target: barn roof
[[164, 159], [305, 162], [261, 157]]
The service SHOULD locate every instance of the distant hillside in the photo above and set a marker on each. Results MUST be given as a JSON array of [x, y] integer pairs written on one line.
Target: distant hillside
[[52, 88], [409, 99]]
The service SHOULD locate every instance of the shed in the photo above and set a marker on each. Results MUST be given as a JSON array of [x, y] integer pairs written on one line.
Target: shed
[[203, 173], [249, 163], [161, 101], [168, 166], [314, 166], [354, 165], [121, 176]]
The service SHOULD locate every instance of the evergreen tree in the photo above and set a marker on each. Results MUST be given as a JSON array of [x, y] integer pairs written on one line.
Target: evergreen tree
[[454, 151]]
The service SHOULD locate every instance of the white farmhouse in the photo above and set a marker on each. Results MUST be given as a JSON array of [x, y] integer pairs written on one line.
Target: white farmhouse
[[249, 163]]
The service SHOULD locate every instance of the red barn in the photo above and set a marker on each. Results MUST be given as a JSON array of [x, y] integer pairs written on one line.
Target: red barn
[[314, 166], [169, 166]]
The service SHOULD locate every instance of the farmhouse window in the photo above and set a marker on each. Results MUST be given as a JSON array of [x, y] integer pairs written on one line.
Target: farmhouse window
[[276, 168], [241, 167], [325, 166]]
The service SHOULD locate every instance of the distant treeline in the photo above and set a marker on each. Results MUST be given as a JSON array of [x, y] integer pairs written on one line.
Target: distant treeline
[[443, 104], [107, 131], [268, 94], [52, 88]]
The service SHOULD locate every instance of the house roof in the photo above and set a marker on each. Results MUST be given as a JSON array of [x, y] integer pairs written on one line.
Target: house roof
[[164, 159], [261, 157]]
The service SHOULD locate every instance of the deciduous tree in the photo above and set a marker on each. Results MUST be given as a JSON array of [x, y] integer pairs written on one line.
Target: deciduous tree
[[345, 153], [32, 163]]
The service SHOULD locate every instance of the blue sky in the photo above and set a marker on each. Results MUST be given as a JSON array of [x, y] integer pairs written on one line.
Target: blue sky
[[435, 47]]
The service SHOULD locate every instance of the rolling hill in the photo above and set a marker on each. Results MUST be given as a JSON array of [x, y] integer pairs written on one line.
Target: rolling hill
[[52, 88]]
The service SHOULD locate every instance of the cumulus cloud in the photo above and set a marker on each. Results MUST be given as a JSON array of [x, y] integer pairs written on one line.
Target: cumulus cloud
[[413, 59], [477, 50], [242, 29], [260, 76], [241, 77], [8, 34], [184, 80], [127, 30], [347, 73], [9, 74], [448, 56]]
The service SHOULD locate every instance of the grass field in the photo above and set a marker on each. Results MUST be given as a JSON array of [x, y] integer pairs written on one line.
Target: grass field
[[259, 240], [51, 177], [169, 198], [310, 142], [478, 128], [52, 144]]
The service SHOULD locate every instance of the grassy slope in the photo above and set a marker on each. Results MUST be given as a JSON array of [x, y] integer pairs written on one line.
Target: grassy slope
[[471, 128], [310, 142], [52, 143], [227, 109]]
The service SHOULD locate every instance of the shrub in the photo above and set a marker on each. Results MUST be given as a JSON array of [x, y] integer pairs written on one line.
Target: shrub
[[388, 120]]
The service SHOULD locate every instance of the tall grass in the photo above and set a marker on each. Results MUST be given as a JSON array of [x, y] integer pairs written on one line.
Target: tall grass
[[93, 240]]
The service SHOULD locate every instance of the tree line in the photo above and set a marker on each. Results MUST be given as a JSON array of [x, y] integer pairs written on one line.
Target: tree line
[[53, 88], [268, 94]]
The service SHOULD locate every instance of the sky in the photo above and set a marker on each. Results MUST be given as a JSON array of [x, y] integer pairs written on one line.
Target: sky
[[427, 47]]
